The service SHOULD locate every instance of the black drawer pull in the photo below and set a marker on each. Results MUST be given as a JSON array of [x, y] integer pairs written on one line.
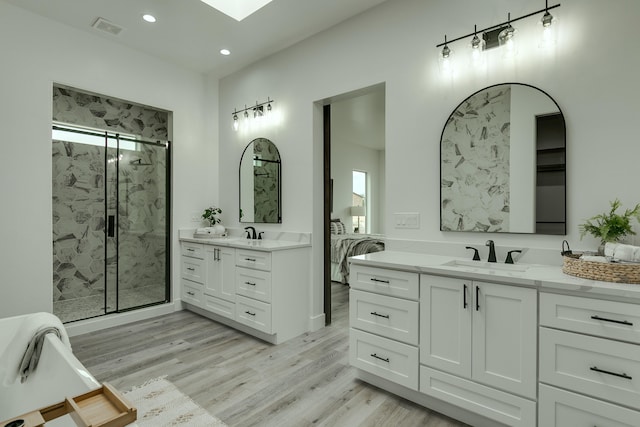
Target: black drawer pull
[[386, 316], [477, 298], [191, 250], [250, 259], [190, 293], [250, 313], [625, 376], [373, 279], [604, 319], [249, 283], [191, 269], [380, 358]]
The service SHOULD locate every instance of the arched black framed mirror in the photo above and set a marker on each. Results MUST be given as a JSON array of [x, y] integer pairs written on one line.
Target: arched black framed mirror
[[503, 163], [260, 190]]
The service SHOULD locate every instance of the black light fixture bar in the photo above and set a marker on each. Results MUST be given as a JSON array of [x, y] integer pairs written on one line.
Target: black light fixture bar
[[256, 107], [502, 24]]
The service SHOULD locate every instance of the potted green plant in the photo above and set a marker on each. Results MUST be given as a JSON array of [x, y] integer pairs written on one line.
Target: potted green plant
[[610, 227], [210, 215]]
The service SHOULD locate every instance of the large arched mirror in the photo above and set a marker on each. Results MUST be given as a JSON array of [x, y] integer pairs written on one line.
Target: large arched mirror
[[260, 192], [503, 163]]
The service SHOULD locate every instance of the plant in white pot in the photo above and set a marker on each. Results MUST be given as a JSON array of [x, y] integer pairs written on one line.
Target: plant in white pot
[[610, 227], [210, 215]]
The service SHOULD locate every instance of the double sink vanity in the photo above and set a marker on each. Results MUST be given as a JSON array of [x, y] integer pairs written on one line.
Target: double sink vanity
[[497, 344]]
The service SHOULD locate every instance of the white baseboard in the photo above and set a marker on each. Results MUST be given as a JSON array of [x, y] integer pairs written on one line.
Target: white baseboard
[[316, 322], [98, 323]]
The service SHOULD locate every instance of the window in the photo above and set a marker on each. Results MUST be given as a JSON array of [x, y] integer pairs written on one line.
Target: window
[[359, 204]]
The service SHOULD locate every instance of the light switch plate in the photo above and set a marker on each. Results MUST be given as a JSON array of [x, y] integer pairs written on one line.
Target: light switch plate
[[406, 220]]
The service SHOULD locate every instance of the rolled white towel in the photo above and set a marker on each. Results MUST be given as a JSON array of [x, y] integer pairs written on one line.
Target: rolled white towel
[[624, 252], [594, 258], [610, 248], [12, 356]]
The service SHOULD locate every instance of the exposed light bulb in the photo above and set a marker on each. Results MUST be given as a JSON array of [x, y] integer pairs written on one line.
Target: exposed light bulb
[[236, 124]]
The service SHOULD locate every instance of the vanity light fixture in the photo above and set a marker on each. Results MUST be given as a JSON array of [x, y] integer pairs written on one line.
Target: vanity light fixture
[[497, 35], [258, 111]]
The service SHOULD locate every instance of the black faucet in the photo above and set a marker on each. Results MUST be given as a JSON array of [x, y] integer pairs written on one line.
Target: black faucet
[[509, 259], [492, 251], [476, 255], [252, 234]]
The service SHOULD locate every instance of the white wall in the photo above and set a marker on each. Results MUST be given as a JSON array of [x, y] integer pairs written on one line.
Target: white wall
[[593, 79], [37, 52]]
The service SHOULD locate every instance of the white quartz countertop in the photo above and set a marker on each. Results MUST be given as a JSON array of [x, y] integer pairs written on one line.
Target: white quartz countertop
[[543, 277], [266, 245]]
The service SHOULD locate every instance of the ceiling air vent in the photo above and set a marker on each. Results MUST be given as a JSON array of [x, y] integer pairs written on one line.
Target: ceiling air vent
[[107, 27]]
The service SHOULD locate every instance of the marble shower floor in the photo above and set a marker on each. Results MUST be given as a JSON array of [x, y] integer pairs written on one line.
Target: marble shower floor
[[91, 306]]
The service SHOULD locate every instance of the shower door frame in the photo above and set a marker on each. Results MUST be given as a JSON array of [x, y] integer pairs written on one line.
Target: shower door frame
[[118, 137]]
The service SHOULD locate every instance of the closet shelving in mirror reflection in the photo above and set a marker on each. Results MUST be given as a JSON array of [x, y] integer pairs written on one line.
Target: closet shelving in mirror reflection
[[502, 35], [253, 112]]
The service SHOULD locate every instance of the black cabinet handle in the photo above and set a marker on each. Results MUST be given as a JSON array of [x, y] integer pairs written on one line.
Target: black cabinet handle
[[464, 296], [380, 358], [386, 316], [191, 269], [190, 250], [249, 283], [615, 374], [250, 259], [250, 313], [477, 298], [373, 279], [190, 293], [604, 319]]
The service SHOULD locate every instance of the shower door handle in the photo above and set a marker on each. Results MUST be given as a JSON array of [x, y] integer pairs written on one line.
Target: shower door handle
[[111, 225]]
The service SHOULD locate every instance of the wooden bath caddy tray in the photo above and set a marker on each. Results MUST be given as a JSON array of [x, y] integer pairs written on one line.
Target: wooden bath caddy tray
[[102, 407]]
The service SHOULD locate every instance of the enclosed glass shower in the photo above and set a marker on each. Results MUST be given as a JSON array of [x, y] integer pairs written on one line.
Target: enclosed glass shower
[[110, 222]]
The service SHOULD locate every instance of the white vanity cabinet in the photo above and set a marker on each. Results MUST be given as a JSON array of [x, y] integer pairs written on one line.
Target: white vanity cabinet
[[484, 334], [220, 287], [193, 273], [383, 314], [261, 292], [589, 362]]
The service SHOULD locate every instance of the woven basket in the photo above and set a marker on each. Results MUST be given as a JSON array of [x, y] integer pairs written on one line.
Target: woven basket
[[607, 272]]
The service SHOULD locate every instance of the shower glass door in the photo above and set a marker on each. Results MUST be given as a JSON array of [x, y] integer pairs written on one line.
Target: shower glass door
[[110, 223]]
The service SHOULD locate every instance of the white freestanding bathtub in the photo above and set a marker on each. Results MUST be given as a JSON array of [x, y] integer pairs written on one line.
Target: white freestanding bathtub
[[58, 375]]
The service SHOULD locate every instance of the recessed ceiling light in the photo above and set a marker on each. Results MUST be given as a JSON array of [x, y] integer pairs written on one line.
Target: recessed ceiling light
[[236, 9], [225, 52], [149, 18]]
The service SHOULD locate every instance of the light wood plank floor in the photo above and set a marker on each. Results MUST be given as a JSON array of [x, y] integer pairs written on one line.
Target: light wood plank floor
[[243, 381]]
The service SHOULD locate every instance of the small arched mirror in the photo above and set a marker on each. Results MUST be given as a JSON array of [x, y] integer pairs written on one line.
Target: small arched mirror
[[260, 191], [503, 163]]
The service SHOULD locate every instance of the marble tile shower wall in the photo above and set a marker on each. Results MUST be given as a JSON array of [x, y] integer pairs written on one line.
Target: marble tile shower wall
[[79, 206], [97, 111], [79, 220]]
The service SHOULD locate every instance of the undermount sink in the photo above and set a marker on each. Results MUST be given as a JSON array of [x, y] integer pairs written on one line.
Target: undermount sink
[[486, 265]]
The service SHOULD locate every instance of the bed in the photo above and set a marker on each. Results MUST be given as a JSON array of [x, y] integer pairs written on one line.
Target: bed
[[345, 245]]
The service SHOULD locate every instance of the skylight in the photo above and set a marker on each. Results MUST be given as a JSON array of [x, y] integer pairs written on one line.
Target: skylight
[[237, 9]]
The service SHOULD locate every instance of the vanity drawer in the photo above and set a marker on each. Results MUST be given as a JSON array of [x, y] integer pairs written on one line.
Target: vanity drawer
[[253, 259], [255, 314], [598, 367], [192, 292], [609, 319], [253, 284], [390, 317], [194, 250], [394, 283], [494, 404], [385, 358], [219, 306], [561, 408], [193, 269]]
